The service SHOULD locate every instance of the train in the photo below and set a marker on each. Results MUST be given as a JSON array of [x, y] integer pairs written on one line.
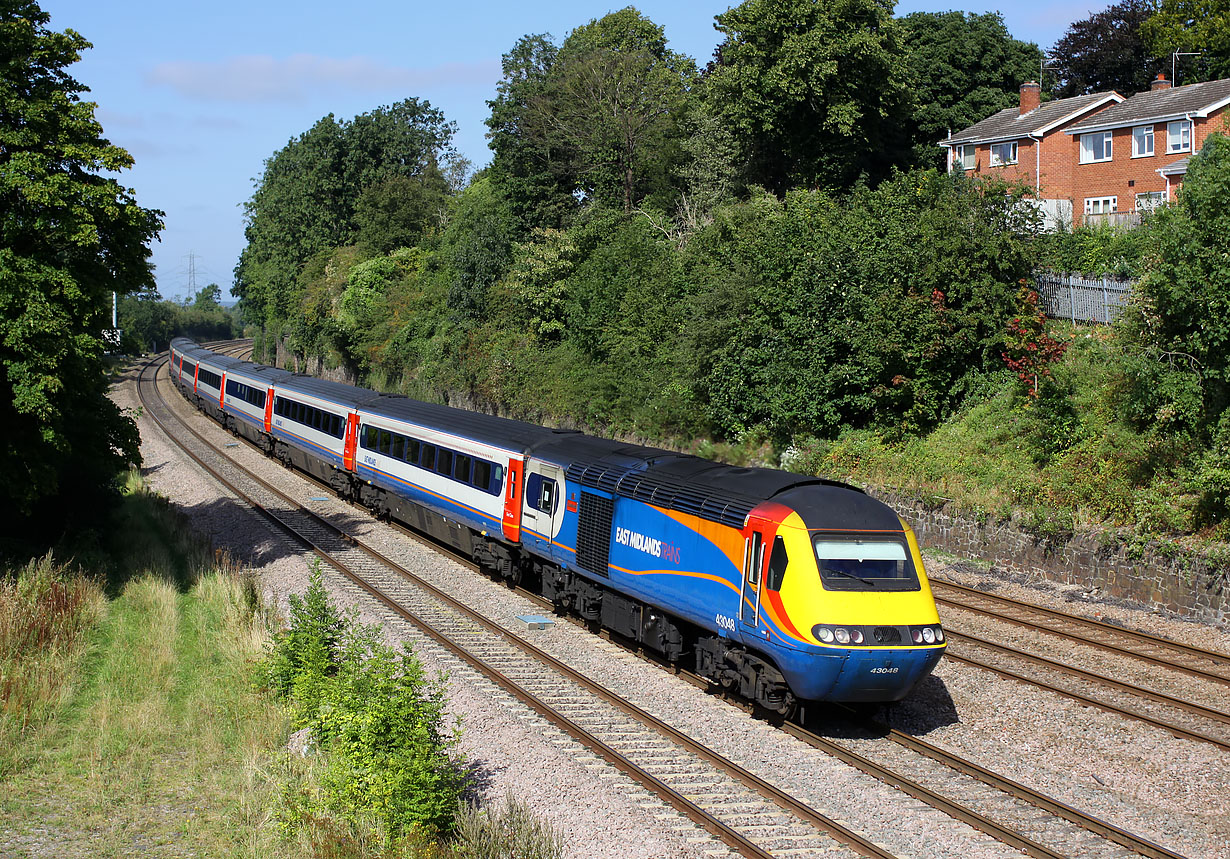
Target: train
[[780, 588]]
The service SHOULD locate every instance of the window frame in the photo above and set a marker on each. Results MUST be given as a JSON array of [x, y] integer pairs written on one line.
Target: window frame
[[963, 153], [1087, 153], [1184, 145], [1113, 200], [1156, 199], [1146, 134], [997, 161]]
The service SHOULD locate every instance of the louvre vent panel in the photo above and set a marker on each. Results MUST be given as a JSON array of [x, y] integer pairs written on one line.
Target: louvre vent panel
[[594, 533], [665, 492]]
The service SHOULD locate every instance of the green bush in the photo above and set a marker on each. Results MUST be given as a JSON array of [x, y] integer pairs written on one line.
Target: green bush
[[390, 767], [307, 653], [382, 722]]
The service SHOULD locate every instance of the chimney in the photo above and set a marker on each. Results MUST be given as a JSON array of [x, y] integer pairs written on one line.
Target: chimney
[[1031, 97], [1159, 83]]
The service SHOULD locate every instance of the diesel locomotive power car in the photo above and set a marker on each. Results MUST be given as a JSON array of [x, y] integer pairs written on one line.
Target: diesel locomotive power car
[[779, 587]]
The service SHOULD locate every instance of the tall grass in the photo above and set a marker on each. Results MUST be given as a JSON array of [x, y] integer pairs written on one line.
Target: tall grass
[[45, 611]]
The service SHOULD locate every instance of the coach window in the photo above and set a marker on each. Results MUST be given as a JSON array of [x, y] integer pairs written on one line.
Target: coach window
[[482, 475], [428, 459], [461, 468], [444, 461], [777, 565], [399, 446], [412, 450]]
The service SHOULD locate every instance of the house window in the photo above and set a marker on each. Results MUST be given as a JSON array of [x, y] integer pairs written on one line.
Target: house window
[[1095, 147], [1150, 200], [1179, 136], [1003, 153], [1101, 205], [963, 156], [1142, 141]]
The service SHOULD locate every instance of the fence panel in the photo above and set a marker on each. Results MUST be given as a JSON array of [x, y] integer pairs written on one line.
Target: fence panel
[[1081, 299]]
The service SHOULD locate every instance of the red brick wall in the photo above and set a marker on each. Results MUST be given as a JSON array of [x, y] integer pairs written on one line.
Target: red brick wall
[[1124, 176]]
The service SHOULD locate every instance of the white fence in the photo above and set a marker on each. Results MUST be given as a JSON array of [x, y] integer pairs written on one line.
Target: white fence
[[1081, 299]]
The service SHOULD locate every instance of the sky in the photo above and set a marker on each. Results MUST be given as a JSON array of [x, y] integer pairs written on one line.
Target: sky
[[202, 93]]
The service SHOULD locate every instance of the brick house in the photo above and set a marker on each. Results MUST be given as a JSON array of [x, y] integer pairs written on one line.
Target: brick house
[[1027, 144], [1133, 156]]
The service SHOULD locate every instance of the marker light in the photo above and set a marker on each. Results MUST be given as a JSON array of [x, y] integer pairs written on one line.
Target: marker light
[[843, 635], [916, 634], [856, 636], [928, 635]]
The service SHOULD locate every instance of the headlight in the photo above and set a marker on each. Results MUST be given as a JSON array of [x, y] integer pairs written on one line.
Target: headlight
[[928, 635], [824, 634], [939, 634], [842, 634]]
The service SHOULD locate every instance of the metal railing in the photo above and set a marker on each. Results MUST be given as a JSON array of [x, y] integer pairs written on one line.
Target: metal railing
[[1081, 299]]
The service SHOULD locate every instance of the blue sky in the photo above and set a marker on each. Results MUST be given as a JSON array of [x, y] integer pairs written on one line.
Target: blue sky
[[202, 93]]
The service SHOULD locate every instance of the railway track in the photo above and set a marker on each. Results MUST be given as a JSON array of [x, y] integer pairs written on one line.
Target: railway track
[[1161, 652], [746, 812], [912, 763], [1179, 716]]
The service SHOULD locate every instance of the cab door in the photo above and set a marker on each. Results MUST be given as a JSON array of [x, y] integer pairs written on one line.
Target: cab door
[[753, 565], [542, 509]]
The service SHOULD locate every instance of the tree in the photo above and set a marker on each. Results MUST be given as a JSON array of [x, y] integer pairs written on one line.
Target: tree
[[963, 68], [306, 200], [208, 298], [816, 92], [1107, 51], [531, 170], [69, 237], [611, 104], [1192, 25]]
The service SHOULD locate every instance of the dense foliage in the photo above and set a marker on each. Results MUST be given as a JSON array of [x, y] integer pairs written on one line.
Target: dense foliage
[[964, 67], [1193, 26], [758, 254], [149, 322], [70, 235]]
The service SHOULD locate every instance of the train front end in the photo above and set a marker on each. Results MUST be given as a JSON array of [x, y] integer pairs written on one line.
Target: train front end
[[850, 610]]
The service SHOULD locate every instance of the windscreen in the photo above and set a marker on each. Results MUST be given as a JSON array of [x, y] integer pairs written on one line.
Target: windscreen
[[853, 565]]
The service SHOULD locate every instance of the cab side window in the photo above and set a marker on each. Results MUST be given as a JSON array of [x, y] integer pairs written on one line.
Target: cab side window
[[777, 565], [546, 500]]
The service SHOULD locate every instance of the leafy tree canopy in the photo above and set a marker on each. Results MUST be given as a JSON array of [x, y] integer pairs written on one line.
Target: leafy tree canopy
[[610, 107], [307, 199], [1192, 25], [1107, 51], [69, 236], [817, 92], [964, 67]]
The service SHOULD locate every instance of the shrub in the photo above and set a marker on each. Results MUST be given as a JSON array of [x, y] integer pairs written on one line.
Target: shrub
[[306, 654], [382, 722], [508, 832]]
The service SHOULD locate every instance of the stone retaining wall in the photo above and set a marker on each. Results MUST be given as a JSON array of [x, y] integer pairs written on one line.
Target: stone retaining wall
[[1158, 576]]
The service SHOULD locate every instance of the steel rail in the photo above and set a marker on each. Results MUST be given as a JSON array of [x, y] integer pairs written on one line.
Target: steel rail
[[669, 795], [1088, 822], [1129, 688], [1176, 730], [1101, 626]]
